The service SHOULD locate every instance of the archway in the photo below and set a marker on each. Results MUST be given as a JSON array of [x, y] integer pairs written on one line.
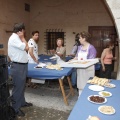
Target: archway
[[113, 6]]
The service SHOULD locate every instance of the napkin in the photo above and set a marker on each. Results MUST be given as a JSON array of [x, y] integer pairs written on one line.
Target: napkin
[[59, 60], [41, 65]]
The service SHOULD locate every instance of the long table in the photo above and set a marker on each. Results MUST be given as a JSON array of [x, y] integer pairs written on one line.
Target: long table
[[83, 108], [44, 73]]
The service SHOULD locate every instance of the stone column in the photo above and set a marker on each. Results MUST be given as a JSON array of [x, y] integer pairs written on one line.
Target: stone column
[[114, 8]]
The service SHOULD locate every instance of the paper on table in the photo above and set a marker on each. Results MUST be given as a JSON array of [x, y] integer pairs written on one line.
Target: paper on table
[[59, 60], [53, 57], [41, 65]]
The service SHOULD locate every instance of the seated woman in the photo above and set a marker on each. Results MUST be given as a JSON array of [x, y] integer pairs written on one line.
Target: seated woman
[[60, 50], [85, 51], [106, 61]]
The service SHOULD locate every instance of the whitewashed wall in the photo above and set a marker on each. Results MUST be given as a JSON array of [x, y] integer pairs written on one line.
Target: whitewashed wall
[[69, 15]]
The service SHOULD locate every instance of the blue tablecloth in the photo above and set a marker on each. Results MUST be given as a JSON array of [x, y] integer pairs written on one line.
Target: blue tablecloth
[[83, 108], [46, 58], [97, 66], [44, 73]]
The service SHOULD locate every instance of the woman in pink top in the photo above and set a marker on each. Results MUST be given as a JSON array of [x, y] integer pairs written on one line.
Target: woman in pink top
[[106, 61]]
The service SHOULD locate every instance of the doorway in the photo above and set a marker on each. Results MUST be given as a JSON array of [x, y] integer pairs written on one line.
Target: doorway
[[100, 36]]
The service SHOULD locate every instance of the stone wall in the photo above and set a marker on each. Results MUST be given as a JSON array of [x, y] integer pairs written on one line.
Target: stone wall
[[69, 15], [11, 12]]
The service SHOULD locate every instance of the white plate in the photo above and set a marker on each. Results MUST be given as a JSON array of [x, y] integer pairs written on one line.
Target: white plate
[[96, 88], [110, 85], [38, 67], [101, 93], [97, 102], [99, 108]]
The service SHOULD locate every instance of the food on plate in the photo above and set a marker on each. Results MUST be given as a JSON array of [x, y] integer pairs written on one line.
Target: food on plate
[[83, 62], [106, 109], [97, 99], [98, 81], [109, 85], [105, 93], [94, 118], [78, 62], [56, 66]]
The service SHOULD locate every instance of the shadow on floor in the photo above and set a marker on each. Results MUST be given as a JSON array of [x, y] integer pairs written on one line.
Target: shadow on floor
[[35, 113]]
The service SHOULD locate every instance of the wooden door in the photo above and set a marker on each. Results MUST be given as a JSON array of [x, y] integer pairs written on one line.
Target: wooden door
[[101, 35]]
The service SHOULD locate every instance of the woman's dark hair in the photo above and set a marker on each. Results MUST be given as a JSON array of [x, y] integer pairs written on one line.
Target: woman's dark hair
[[34, 32], [18, 27], [85, 35], [77, 42], [61, 40], [110, 43]]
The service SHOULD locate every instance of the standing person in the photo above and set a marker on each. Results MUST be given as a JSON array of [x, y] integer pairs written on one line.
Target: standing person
[[106, 61], [33, 52], [60, 50], [17, 47], [71, 56], [33, 48], [85, 51], [75, 48]]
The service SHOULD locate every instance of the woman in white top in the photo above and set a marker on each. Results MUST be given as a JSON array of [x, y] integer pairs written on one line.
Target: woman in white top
[[33, 48], [33, 52]]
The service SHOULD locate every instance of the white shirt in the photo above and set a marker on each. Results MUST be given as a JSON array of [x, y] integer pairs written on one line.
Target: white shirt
[[16, 49], [33, 44]]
